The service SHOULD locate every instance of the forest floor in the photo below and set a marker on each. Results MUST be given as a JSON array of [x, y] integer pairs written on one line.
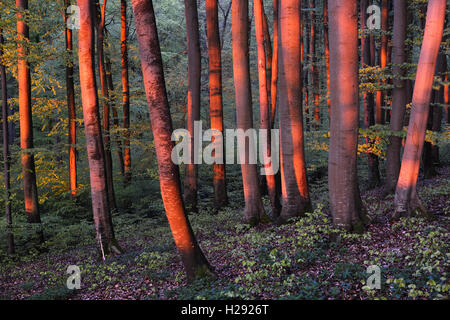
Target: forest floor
[[294, 261]]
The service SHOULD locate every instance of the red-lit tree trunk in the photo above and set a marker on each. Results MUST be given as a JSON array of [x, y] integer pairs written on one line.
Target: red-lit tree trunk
[[293, 169], [254, 210], [125, 90], [71, 108], [193, 258], [346, 205], [380, 96], [314, 69], [399, 96], [215, 97], [26, 121], [274, 78], [6, 154], [327, 52], [94, 141], [105, 104], [193, 112], [264, 102], [406, 201]]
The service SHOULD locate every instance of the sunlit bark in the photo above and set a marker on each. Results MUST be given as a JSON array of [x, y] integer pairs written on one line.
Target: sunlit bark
[[274, 78], [407, 202], [125, 90]]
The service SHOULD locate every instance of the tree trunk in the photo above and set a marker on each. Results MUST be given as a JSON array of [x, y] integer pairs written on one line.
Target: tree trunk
[[105, 105], [6, 154], [327, 51], [380, 112], [194, 79], [215, 98], [406, 201], [94, 141], [399, 98], [346, 205], [254, 210], [70, 89], [26, 121], [314, 70], [265, 110], [274, 78], [125, 90], [193, 258], [293, 169]]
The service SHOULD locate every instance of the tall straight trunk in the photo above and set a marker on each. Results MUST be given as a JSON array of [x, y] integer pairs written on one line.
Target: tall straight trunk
[[105, 104], [381, 93], [269, 57], [406, 201], [254, 210], [399, 96], [193, 258], [304, 51], [447, 98], [293, 168], [215, 97], [125, 90], [346, 205], [26, 121], [194, 87], [6, 154], [70, 93], [117, 140], [274, 78], [327, 52], [264, 102], [314, 69], [94, 141]]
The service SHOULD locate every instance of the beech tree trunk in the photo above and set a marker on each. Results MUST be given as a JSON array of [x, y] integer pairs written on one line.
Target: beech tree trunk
[[125, 90], [380, 97], [26, 120], [264, 101], [6, 154], [215, 97], [274, 78], [314, 69], [70, 89], [194, 79], [327, 52], [94, 141], [346, 205], [254, 210], [293, 169], [399, 96], [406, 201], [193, 258]]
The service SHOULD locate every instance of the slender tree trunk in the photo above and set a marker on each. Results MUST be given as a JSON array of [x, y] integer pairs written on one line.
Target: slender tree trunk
[[346, 205], [293, 169], [193, 258], [71, 109], [26, 121], [125, 90], [327, 51], [406, 201], [265, 110], [314, 70], [380, 97], [194, 79], [399, 98], [254, 210], [215, 98], [105, 105], [274, 78], [6, 154], [94, 141]]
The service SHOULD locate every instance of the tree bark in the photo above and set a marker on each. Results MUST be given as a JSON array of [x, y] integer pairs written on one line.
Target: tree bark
[[6, 154], [346, 205], [380, 96], [293, 169], [125, 90], [399, 96], [254, 210], [94, 141], [314, 69], [26, 120], [406, 201], [274, 78], [327, 51], [215, 98]]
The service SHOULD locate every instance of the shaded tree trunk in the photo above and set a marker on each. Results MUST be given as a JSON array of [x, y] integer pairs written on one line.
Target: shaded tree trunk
[[380, 95], [125, 90], [194, 79], [293, 169], [215, 98], [6, 154], [314, 69], [192, 256], [406, 201], [346, 205], [254, 210], [399, 96], [26, 121], [94, 141]]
